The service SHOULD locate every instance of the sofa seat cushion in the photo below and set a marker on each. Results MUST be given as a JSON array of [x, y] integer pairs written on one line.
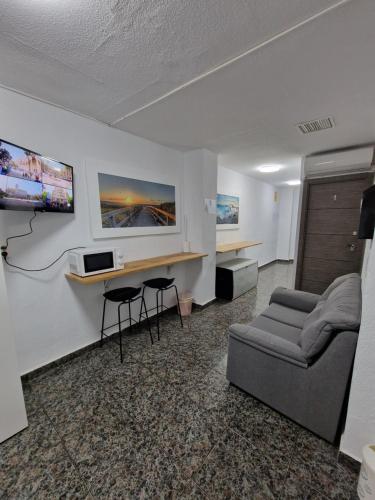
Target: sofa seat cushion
[[282, 330], [287, 315], [340, 311]]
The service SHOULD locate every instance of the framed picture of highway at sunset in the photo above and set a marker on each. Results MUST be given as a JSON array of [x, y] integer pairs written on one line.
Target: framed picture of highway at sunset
[[127, 203], [128, 200]]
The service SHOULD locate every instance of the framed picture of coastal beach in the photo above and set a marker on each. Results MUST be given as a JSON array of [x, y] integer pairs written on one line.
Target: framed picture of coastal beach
[[227, 211], [128, 202]]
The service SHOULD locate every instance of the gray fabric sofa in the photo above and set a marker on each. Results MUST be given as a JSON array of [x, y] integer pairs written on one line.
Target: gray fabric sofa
[[297, 355]]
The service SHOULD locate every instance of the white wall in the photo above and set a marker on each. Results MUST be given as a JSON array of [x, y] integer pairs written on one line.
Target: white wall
[[288, 213], [259, 215], [360, 422], [200, 183], [52, 316], [12, 408]]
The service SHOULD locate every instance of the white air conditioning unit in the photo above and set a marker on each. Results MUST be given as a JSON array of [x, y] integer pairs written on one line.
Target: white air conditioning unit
[[342, 162]]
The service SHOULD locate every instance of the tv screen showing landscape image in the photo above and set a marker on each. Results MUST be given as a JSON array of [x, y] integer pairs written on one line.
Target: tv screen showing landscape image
[[29, 181], [227, 209], [126, 202]]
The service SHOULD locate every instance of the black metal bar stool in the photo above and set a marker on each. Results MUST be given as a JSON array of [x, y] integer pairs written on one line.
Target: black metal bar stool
[[160, 285], [125, 295]]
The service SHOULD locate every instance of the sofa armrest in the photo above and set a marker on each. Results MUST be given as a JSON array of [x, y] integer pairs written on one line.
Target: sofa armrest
[[268, 343], [296, 299]]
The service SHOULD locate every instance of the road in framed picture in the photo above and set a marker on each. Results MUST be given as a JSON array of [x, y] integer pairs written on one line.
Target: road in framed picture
[[123, 205], [227, 211]]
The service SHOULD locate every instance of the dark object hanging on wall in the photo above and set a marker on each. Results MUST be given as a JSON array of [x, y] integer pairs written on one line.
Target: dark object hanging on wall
[[367, 220]]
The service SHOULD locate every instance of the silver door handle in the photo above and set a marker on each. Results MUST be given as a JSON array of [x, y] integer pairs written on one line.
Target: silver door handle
[[351, 247]]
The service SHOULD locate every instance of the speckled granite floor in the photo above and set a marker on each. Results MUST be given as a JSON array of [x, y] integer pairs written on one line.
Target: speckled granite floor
[[166, 424]]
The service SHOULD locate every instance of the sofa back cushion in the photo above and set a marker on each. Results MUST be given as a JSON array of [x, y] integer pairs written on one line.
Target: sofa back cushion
[[339, 310], [336, 283]]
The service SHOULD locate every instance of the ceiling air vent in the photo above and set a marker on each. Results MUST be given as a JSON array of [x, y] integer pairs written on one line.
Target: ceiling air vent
[[316, 125]]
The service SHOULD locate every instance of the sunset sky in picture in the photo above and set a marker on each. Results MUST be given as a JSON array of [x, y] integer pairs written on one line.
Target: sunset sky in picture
[[114, 188]]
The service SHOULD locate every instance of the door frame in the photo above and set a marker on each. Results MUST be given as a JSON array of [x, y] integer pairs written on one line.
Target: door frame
[[303, 216]]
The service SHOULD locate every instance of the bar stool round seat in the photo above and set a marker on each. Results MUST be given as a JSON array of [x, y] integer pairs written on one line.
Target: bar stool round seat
[[124, 297], [122, 294], [159, 283]]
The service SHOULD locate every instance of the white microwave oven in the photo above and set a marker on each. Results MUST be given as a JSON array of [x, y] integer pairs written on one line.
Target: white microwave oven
[[89, 261]]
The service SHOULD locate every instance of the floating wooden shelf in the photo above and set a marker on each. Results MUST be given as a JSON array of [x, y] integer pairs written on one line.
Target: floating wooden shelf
[[138, 266], [237, 245]]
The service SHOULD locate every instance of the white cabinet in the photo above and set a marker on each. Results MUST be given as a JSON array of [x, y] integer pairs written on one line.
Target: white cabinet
[[235, 277]]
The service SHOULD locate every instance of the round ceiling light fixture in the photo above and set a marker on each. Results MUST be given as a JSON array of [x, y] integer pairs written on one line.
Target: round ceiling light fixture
[[269, 169], [295, 182]]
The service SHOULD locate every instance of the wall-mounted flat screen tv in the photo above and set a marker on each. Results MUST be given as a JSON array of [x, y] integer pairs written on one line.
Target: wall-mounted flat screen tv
[[29, 181]]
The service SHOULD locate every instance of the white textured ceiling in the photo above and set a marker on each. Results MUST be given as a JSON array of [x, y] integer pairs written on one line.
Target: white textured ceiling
[[106, 59]]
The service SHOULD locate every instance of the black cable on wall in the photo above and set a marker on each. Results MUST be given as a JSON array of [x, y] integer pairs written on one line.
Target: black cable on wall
[[4, 251]]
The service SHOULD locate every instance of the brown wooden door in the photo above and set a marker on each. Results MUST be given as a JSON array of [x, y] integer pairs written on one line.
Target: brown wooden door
[[328, 243]]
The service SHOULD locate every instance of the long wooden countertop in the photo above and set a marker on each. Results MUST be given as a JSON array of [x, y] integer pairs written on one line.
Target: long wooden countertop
[[138, 266], [238, 245]]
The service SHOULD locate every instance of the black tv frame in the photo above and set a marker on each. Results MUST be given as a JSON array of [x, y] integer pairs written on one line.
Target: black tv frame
[[47, 158]]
